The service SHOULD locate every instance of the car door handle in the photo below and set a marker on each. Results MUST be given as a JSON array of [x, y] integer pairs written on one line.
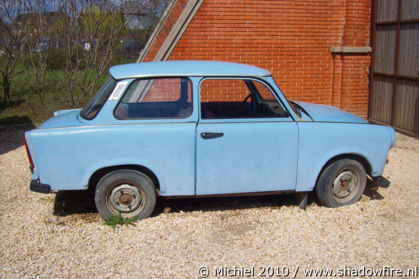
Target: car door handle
[[206, 135]]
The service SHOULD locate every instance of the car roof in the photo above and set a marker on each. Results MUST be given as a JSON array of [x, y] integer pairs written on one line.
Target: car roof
[[185, 68]]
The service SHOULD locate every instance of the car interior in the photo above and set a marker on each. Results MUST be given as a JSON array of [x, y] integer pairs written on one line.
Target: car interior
[[252, 106]]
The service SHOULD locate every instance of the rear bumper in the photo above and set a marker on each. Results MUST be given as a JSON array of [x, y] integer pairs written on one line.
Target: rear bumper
[[39, 187]]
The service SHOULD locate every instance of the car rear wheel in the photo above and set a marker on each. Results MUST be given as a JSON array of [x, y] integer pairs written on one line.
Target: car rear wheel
[[128, 192], [341, 183]]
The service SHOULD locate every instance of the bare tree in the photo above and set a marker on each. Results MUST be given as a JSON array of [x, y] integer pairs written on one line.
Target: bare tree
[[143, 14], [12, 43], [155, 9], [90, 34], [41, 35]]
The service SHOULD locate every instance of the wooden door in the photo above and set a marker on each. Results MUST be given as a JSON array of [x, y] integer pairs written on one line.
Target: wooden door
[[394, 96]]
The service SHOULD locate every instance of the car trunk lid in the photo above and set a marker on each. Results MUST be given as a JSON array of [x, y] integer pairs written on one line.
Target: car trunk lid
[[62, 119]]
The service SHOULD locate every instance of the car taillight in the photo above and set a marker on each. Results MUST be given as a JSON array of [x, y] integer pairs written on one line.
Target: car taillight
[[29, 154]]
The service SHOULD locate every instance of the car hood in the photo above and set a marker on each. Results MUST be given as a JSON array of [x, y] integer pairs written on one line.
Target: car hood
[[63, 118], [323, 113]]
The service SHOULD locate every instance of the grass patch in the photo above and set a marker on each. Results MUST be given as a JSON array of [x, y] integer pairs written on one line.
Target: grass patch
[[117, 219], [27, 106]]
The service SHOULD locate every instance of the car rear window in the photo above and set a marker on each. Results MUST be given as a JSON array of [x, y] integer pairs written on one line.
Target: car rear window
[[96, 103], [156, 98]]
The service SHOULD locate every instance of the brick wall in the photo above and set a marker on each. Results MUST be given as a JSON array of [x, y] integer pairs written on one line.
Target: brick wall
[[231, 90], [290, 38], [166, 90], [223, 90], [159, 90]]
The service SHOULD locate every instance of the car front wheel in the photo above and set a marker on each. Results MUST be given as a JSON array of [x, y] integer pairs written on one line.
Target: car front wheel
[[341, 183], [129, 192]]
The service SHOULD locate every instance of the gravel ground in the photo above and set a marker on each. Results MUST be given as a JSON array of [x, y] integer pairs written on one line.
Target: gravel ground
[[62, 235]]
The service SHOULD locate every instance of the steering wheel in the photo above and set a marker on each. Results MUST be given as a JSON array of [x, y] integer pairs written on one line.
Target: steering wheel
[[252, 102], [247, 97]]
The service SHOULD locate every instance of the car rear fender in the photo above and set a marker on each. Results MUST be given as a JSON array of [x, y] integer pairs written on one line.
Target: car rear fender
[[102, 168]]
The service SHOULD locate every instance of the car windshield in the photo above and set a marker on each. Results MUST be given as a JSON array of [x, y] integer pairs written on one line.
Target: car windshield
[[96, 103]]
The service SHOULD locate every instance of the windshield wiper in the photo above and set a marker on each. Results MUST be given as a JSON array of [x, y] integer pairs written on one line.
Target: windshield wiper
[[300, 109], [297, 108]]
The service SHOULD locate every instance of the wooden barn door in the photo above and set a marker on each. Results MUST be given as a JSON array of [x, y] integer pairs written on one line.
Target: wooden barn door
[[394, 97]]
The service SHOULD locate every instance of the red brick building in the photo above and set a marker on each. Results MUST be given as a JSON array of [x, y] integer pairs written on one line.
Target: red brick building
[[318, 51]]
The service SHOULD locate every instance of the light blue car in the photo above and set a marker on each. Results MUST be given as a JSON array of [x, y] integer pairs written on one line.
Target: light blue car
[[196, 128]]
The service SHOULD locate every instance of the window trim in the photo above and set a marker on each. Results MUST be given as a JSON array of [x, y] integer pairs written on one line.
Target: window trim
[[154, 118], [253, 119]]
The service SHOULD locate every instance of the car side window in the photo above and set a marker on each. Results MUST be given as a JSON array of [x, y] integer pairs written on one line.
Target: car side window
[[238, 98], [156, 98]]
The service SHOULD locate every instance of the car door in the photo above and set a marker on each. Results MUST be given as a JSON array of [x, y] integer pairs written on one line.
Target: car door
[[246, 140], [157, 130]]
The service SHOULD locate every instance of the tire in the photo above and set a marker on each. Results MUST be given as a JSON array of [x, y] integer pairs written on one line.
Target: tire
[[341, 183], [129, 192]]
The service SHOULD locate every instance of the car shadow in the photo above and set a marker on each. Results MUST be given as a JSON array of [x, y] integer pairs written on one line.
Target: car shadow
[[74, 202], [372, 194], [11, 136], [226, 203], [80, 202], [372, 187]]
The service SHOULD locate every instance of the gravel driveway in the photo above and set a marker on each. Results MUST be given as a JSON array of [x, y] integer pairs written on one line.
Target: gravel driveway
[[62, 235]]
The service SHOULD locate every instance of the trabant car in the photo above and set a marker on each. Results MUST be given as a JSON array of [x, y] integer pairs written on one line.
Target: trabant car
[[200, 128]]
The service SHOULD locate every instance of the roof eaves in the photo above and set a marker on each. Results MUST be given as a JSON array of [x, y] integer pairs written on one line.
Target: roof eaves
[[175, 33], [178, 29], [156, 30]]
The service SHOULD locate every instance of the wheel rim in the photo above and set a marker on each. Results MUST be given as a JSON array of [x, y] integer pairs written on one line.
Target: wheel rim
[[126, 198], [345, 185]]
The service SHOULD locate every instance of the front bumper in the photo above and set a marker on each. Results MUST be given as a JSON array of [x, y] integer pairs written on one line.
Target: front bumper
[[39, 187]]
